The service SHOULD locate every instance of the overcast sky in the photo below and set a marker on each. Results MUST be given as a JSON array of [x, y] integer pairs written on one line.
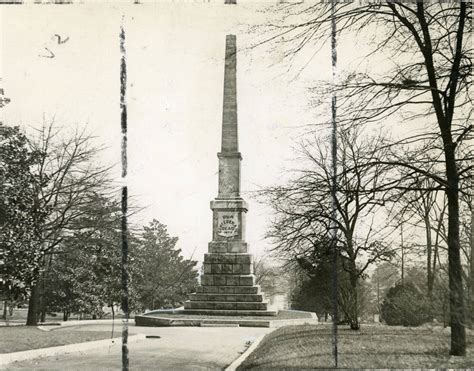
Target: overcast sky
[[175, 84]]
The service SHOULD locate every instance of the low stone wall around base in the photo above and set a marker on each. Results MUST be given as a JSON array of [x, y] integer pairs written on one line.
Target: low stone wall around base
[[167, 320]]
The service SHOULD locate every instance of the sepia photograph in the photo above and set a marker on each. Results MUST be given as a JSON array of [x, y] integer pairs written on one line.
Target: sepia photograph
[[236, 185]]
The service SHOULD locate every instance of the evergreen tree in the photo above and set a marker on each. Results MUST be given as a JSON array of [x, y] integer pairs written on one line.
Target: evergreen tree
[[19, 242], [162, 277]]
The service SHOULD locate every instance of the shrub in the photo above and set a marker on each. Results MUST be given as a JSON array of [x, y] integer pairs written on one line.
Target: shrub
[[405, 305]]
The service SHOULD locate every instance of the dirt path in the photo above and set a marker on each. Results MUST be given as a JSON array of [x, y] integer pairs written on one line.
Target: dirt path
[[178, 348]]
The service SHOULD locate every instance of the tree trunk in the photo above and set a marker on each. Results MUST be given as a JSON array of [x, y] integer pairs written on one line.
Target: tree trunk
[[42, 297], [378, 296], [31, 319], [5, 306], [65, 315], [445, 312], [471, 270], [429, 254], [456, 294], [402, 253], [113, 311], [444, 109], [354, 319]]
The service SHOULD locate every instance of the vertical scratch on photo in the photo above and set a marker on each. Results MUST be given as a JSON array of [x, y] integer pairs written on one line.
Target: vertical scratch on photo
[[334, 283], [123, 124]]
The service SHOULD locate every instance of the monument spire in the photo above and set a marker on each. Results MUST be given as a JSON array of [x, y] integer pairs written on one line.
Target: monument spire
[[230, 141], [229, 157]]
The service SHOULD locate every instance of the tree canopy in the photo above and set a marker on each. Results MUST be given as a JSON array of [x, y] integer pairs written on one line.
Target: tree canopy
[[19, 237]]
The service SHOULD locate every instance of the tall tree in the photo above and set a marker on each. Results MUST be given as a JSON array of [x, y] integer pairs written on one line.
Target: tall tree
[[429, 46], [67, 174], [304, 216]]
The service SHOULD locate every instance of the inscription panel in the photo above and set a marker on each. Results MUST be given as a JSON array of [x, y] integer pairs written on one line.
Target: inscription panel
[[227, 224]]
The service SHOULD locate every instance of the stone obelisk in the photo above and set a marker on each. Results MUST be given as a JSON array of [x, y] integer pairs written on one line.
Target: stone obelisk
[[228, 284]]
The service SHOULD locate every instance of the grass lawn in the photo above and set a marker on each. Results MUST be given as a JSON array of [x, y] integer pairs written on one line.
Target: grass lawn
[[19, 338], [19, 315], [309, 346]]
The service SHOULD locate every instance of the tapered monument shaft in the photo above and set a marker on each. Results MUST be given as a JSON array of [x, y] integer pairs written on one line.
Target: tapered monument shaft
[[230, 142], [229, 157]]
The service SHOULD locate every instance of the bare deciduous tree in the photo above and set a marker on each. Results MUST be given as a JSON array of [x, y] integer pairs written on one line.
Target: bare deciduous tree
[[67, 175], [303, 212]]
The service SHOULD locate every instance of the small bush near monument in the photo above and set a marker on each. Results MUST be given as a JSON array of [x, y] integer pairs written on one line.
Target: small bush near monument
[[405, 305]]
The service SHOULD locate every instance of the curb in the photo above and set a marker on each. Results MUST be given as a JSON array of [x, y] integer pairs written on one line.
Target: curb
[[47, 328], [11, 324], [52, 326], [7, 358], [233, 366], [88, 322]]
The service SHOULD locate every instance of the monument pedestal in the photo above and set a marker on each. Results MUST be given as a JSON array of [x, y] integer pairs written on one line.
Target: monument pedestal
[[228, 285]]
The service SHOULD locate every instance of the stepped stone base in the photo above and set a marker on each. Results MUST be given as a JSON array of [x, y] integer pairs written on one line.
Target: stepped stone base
[[229, 305], [228, 283], [229, 312], [229, 289], [227, 297], [227, 280]]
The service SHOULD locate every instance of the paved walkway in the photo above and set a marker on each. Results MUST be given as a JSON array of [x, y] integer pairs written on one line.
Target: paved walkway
[[179, 348]]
